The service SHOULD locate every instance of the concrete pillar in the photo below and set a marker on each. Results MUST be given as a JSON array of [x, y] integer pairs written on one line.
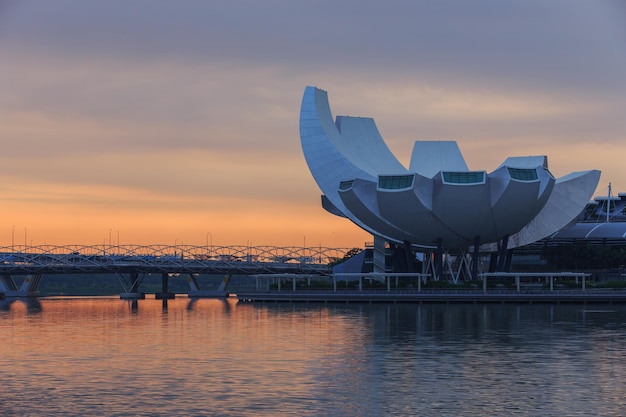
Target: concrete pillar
[[508, 259], [408, 256], [134, 281], [502, 254], [379, 254], [493, 262], [475, 258], [133, 293], [164, 294], [439, 259]]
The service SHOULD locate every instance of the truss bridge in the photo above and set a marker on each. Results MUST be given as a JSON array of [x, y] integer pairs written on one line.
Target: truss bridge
[[132, 262]]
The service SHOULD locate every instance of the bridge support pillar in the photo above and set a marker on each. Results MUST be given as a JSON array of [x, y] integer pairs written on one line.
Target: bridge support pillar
[[29, 287], [196, 292], [164, 294], [133, 291], [7, 283], [132, 296]]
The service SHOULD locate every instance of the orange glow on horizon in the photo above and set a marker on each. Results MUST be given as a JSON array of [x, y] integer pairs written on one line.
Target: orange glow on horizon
[[62, 225]]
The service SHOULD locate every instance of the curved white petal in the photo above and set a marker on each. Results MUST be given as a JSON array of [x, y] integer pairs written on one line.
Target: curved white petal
[[438, 198], [568, 198]]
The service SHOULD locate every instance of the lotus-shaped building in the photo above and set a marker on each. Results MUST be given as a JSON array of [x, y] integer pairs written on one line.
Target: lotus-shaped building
[[438, 201]]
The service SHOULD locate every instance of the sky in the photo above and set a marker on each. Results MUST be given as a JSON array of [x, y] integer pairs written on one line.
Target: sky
[[176, 122]]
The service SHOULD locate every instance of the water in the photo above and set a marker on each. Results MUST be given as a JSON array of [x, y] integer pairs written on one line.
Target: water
[[104, 357]]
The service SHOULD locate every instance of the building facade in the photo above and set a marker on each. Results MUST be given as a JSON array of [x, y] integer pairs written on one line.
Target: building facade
[[437, 203]]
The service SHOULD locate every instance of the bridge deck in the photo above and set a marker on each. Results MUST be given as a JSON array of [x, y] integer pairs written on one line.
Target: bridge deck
[[136, 261], [21, 260]]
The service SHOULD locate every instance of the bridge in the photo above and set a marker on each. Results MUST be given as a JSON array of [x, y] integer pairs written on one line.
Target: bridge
[[131, 263]]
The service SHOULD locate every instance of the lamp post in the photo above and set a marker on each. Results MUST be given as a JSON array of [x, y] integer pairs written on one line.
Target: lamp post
[[13, 238]]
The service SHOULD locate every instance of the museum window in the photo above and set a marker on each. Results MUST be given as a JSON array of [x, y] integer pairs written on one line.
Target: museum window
[[523, 174], [394, 182], [469, 177], [345, 185]]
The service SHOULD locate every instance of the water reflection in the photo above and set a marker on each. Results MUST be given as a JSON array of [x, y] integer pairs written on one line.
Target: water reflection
[[217, 357], [32, 304]]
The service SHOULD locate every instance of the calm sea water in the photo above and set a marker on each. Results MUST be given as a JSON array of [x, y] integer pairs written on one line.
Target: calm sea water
[[106, 357]]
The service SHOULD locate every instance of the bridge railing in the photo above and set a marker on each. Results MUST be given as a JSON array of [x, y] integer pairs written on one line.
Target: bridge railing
[[165, 257]]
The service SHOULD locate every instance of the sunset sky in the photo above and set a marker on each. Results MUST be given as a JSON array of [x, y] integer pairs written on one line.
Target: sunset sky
[[177, 121]]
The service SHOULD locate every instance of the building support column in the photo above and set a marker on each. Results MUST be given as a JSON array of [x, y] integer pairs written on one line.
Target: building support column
[[379, 254], [438, 260], [502, 253], [507, 262], [408, 256], [493, 262], [475, 258]]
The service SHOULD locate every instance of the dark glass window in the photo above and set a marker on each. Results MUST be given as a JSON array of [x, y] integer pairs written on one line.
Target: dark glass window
[[523, 174], [469, 177], [394, 182], [345, 185]]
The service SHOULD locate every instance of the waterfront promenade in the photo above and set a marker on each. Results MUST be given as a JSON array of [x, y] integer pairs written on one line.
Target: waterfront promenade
[[599, 296], [282, 274], [523, 287]]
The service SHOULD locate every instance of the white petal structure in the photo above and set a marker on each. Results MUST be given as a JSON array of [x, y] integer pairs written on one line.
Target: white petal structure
[[438, 200]]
